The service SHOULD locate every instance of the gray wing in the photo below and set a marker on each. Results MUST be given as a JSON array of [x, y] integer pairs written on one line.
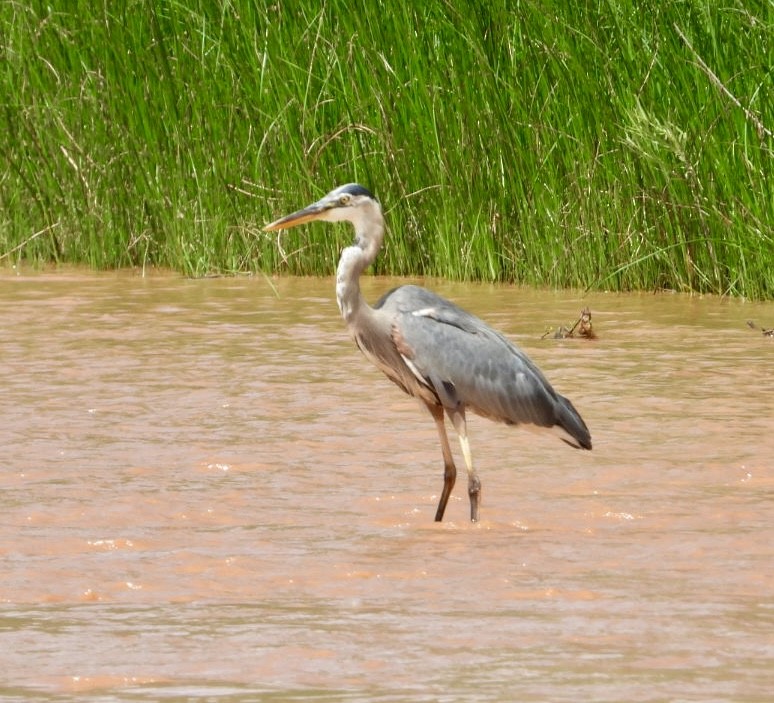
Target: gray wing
[[467, 363]]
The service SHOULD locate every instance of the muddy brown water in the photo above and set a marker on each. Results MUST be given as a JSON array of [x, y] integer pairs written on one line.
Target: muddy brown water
[[207, 493]]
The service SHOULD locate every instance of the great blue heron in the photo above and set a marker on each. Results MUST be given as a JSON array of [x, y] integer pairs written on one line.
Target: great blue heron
[[434, 350]]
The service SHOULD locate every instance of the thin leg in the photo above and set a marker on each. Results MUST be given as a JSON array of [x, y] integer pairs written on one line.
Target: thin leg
[[449, 469], [474, 483]]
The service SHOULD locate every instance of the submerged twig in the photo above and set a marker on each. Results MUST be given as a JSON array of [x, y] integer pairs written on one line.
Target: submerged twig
[[582, 325], [766, 332]]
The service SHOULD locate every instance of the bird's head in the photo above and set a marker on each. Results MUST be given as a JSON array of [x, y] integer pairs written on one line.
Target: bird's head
[[351, 202]]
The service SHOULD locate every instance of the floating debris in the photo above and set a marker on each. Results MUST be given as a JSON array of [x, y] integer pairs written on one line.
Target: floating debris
[[581, 328], [766, 332]]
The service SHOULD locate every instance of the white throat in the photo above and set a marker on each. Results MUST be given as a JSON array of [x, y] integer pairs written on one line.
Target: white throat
[[369, 232]]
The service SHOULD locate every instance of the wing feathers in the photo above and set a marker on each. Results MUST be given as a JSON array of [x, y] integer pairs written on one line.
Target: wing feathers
[[468, 363]]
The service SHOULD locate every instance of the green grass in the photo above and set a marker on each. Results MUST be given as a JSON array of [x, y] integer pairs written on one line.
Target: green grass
[[611, 145]]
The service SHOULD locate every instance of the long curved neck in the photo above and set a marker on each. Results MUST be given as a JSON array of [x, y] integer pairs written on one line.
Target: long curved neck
[[369, 232]]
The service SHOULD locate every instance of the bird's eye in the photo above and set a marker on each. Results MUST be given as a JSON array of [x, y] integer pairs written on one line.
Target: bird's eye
[[344, 199]]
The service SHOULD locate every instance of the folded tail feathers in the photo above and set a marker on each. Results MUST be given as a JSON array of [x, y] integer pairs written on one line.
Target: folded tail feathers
[[571, 422]]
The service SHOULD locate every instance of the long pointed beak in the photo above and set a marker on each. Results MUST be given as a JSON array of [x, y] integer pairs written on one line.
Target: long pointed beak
[[308, 214]]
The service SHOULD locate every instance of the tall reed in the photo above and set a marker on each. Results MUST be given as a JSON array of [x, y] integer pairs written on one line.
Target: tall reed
[[614, 145]]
